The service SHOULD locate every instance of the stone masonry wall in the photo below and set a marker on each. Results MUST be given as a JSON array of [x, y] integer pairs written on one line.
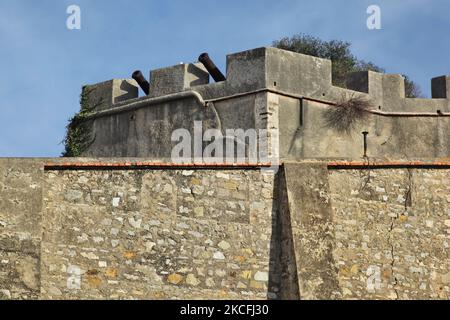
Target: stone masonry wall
[[157, 234], [392, 233], [309, 232], [20, 236]]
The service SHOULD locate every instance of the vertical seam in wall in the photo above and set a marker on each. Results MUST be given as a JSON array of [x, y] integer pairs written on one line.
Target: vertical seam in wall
[[329, 270], [286, 227]]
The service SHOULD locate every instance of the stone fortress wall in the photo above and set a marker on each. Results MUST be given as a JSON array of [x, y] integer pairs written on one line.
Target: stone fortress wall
[[328, 224], [268, 88], [114, 229]]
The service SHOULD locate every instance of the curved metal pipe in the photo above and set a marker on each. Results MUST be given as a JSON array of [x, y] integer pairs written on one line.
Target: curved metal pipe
[[438, 113], [147, 102], [143, 102]]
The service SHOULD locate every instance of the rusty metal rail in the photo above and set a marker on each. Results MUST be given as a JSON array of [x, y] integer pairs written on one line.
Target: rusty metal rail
[[349, 165], [136, 165], [156, 165]]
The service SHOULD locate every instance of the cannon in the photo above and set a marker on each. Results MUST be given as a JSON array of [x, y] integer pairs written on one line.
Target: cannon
[[211, 67], [142, 82]]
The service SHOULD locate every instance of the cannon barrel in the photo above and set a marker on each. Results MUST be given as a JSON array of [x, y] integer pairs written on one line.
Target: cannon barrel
[[211, 67], [142, 82]]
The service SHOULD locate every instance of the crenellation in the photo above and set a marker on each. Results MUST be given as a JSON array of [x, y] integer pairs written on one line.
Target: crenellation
[[246, 71], [268, 68], [393, 89], [242, 100], [297, 73], [368, 82], [177, 78], [104, 95]]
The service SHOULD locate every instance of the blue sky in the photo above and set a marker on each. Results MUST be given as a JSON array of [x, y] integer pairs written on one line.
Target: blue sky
[[43, 64]]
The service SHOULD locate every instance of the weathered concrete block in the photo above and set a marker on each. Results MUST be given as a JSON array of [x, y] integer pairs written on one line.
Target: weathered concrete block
[[295, 72], [103, 95], [276, 68], [247, 69], [366, 81], [177, 78], [393, 87], [440, 87]]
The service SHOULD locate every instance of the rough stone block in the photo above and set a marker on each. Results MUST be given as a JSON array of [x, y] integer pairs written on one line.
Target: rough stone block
[[177, 78]]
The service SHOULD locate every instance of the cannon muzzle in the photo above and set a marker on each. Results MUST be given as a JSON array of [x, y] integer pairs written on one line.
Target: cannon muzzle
[[211, 67], [142, 82]]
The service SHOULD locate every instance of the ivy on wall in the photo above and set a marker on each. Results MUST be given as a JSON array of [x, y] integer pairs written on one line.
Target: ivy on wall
[[78, 130]]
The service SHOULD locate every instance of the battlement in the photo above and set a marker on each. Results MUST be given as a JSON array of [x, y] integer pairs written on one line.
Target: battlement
[[269, 88], [281, 70]]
